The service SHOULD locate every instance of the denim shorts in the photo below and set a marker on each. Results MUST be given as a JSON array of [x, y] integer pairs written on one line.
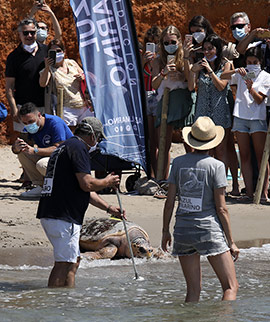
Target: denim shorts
[[64, 237], [249, 126], [198, 234]]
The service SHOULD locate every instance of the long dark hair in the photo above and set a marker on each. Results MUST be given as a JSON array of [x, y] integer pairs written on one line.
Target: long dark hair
[[217, 42], [202, 22]]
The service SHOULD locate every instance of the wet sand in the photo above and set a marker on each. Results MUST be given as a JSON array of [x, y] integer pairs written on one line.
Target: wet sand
[[22, 240]]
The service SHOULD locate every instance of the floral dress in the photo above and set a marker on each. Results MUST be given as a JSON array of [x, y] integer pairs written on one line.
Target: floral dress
[[211, 102]]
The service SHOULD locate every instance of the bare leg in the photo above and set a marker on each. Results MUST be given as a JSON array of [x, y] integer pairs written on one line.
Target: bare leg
[[169, 133], [224, 268], [221, 149], [153, 142], [243, 140], [233, 164], [63, 274], [258, 139], [192, 272]]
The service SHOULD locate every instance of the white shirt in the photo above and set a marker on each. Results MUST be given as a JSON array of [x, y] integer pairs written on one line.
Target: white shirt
[[245, 106]]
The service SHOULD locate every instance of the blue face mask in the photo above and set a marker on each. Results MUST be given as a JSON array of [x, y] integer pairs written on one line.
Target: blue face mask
[[239, 34], [32, 128], [171, 49]]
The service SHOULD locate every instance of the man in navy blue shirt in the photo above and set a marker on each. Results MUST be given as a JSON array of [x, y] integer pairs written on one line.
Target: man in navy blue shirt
[[68, 188], [47, 132]]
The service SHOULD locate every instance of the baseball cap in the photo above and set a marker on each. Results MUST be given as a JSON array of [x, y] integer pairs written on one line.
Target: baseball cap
[[90, 125]]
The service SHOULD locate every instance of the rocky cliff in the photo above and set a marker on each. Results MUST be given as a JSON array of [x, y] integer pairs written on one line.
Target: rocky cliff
[[146, 13]]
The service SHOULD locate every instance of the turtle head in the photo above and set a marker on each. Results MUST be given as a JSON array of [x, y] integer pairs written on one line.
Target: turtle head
[[141, 248]]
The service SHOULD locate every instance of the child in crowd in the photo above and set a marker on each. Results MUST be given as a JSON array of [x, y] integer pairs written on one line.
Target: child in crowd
[[212, 91], [151, 39], [168, 72], [253, 87]]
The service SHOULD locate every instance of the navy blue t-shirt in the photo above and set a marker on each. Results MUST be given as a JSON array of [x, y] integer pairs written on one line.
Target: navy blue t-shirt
[[54, 130], [61, 196]]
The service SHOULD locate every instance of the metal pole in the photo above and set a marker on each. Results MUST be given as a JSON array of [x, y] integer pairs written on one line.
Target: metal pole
[[128, 239]]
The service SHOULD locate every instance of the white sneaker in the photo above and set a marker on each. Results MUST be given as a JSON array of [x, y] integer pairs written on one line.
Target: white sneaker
[[33, 193]]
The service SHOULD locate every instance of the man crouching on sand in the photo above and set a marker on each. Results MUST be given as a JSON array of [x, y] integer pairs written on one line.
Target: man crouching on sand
[[68, 188]]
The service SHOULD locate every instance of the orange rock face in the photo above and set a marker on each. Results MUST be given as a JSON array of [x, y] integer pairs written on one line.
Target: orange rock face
[[146, 13]]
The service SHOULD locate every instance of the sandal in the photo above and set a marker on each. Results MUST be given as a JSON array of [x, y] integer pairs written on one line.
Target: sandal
[[245, 199], [160, 194], [265, 201]]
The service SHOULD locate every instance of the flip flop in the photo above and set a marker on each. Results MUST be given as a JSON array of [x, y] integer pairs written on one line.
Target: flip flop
[[160, 194]]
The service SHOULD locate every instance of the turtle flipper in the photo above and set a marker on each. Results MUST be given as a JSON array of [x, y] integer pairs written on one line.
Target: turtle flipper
[[105, 252]]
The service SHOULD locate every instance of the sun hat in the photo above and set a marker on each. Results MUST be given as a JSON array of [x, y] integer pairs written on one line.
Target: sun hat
[[203, 134], [91, 124]]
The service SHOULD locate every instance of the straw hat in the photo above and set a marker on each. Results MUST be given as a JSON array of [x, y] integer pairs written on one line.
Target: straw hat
[[203, 134]]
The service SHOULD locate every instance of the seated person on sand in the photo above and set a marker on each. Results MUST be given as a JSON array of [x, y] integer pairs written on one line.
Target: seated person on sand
[[47, 132]]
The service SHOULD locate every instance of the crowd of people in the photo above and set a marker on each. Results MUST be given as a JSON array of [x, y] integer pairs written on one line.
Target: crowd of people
[[216, 90]]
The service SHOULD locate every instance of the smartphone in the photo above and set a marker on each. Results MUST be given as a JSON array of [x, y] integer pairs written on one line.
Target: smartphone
[[249, 75], [150, 46], [52, 55], [170, 59], [199, 56], [188, 38]]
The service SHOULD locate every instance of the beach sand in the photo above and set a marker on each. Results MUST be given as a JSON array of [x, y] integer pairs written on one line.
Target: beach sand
[[22, 240]]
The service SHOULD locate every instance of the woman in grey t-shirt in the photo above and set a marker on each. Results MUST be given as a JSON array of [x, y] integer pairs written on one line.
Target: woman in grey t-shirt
[[202, 224]]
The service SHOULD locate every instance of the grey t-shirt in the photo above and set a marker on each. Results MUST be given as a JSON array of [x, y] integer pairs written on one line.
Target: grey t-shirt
[[196, 176]]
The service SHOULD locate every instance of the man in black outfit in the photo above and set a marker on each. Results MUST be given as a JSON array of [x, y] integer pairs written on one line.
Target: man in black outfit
[[22, 70], [68, 188]]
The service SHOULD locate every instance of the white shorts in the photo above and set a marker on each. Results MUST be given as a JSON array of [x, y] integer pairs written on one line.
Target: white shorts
[[64, 237], [73, 116]]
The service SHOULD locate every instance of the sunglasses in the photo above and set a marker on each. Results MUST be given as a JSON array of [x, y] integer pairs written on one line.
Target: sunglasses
[[239, 26], [208, 48], [173, 42], [31, 32], [43, 28]]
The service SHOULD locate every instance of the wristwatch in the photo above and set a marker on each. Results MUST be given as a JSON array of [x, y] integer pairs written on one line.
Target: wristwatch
[[35, 149]]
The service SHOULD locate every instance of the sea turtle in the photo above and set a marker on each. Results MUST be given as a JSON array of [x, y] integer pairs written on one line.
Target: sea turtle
[[106, 238]]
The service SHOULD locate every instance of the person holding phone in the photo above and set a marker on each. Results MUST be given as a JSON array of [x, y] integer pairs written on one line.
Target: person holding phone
[[65, 73], [150, 45], [43, 29], [212, 91], [250, 115], [171, 73]]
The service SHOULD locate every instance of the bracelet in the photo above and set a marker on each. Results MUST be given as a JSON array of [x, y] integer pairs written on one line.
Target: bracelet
[[108, 209]]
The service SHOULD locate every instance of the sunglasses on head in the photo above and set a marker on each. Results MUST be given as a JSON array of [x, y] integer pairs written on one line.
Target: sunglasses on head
[[166, 43], [239, 26], [27, 32]]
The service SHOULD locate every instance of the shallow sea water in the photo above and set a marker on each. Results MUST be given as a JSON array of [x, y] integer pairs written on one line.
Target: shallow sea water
[[106, 291]]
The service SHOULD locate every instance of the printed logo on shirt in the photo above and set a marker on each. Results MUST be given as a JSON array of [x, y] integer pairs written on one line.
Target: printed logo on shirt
[[48, 180], [47, 139], [191, 189]]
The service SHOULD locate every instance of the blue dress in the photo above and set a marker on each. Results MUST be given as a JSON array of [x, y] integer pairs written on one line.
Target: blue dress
[[211, 102]]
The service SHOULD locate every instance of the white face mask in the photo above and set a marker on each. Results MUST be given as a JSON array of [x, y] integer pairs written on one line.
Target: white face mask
[[199, 36], [254, 68], [59, 57], [30, 48]]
